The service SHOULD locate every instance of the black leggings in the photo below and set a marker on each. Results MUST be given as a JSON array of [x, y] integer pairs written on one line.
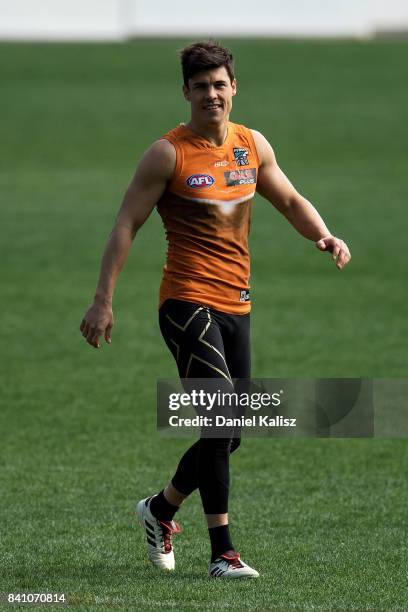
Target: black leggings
[[207, 343]]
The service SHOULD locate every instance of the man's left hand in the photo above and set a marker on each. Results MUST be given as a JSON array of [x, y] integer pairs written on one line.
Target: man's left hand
[[338, 248]]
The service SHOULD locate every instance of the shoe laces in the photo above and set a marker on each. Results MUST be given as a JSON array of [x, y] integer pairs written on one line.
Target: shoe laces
[[233, 560], [169, 528]]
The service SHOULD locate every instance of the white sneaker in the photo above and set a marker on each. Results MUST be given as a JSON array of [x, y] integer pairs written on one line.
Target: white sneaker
[[158, 534], [229, 565]]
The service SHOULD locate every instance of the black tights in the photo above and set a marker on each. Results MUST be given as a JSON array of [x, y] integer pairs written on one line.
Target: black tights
[[207, 344]]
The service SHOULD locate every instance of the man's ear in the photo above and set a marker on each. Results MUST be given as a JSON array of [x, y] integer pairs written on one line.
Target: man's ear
[[234, 87], [186, 92]]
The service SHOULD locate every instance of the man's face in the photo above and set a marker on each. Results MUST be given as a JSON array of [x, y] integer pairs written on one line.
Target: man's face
[[210, 93]]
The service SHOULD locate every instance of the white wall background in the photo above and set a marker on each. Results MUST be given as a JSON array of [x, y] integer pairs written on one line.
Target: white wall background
[[121, 19]]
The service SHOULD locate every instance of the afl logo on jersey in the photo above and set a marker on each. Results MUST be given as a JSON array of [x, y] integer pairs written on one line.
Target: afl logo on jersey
[[200, 180]]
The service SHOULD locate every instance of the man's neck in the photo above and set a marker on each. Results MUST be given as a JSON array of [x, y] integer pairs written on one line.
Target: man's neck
[[216, 134]]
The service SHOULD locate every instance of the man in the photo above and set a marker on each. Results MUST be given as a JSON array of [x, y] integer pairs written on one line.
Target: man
[[202, 176]]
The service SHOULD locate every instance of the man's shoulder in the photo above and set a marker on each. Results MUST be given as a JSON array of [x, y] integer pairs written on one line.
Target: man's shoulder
[[237, 126], [240, 128], [246, 132], [159, 159], [244, 129], [161, 150]]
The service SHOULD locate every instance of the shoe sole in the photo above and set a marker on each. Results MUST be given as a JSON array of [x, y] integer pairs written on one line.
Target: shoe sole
[[232, 577]]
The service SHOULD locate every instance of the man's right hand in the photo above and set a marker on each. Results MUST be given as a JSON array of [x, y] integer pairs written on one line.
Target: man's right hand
[[98, 321]]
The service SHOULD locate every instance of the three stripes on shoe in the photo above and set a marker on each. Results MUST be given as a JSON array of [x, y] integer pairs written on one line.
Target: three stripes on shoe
[[151, 538], [167, 529], [217, 571], [230, 562]]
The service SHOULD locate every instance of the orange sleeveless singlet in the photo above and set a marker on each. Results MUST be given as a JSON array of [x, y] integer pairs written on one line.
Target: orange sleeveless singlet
[[206, 212]]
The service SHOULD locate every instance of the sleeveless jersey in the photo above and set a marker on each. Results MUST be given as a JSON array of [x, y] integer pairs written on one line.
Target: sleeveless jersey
[[206, 212]]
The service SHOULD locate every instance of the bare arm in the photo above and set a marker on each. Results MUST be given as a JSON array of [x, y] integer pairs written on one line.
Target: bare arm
[[149, 182], [274, 185]]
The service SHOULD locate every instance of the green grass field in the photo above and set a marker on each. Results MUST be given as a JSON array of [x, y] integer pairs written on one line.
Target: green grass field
[[324, 521]]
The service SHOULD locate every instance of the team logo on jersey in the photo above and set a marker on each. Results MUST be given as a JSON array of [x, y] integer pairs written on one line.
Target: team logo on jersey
[[200, 180], [241, 156], [244, 295], [240, 177]]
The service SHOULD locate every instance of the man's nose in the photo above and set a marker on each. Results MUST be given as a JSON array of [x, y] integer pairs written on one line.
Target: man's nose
[[211, 92]]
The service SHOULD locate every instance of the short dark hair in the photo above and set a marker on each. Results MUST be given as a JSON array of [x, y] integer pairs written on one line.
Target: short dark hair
[[205, 55]]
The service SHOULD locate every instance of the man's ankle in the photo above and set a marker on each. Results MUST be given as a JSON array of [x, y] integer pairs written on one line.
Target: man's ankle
[[220, 541], [161, 508]]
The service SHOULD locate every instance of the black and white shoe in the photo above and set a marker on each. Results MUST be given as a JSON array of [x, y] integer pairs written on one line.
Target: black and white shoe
[[159, 535], [229, 565]]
